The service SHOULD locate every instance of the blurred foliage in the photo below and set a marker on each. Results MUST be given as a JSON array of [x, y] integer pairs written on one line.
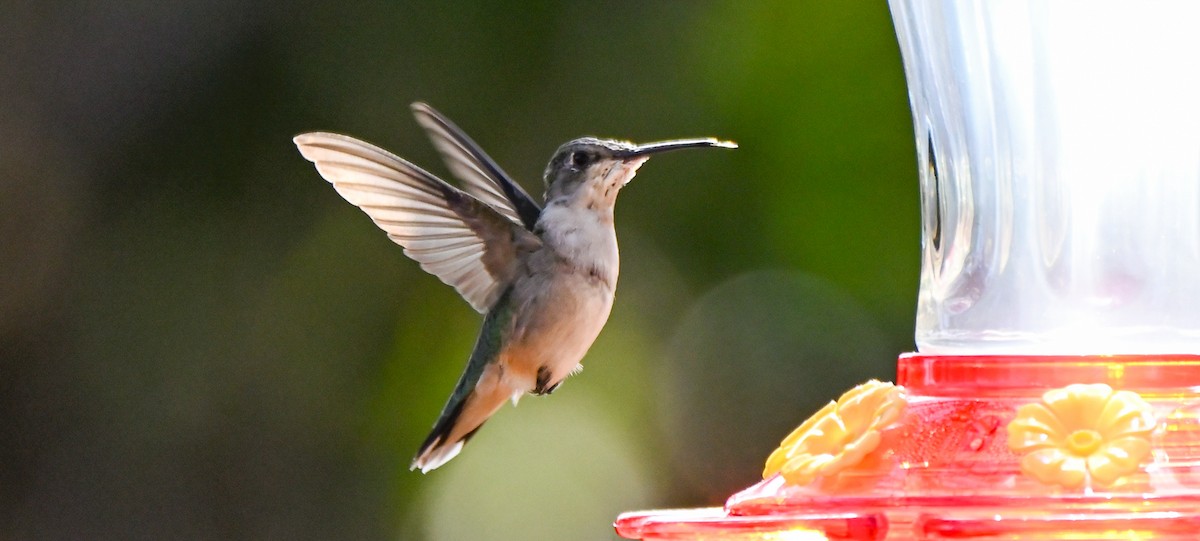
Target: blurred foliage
[[200, 340]]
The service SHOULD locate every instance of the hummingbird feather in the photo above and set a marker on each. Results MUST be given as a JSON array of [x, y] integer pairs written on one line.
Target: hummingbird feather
[[454, 236], [476, 396], [481, 176]]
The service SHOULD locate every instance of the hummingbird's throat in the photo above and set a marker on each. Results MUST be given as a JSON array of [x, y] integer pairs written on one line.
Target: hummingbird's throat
[[622, 172], [618, 174]]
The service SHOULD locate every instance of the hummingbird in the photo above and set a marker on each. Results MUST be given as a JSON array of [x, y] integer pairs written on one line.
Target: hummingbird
[[543, 276]]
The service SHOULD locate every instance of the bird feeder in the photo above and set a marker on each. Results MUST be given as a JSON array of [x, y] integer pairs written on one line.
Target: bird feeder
[[1055, 391]]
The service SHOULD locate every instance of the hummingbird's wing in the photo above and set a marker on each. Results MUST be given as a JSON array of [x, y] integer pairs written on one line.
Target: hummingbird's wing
[[481, 176], [454, 236]]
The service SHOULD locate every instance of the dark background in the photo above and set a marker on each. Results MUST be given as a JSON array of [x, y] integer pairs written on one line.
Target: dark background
[[200, 340]]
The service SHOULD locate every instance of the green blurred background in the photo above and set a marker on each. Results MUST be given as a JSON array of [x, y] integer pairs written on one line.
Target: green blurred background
[[200, 340]]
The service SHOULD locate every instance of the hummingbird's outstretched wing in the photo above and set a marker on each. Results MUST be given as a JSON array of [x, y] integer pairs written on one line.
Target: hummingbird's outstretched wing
[[481, 176], [454, 236]]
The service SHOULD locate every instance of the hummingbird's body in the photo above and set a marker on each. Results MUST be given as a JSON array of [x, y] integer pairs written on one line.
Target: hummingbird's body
[[534, 337], [544, 278]]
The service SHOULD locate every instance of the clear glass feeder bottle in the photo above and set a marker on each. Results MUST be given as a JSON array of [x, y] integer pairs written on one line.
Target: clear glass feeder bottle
[[1060, 178]]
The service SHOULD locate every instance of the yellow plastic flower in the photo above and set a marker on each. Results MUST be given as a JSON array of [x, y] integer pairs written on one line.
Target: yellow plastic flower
[[839, 436], [1082, 432]]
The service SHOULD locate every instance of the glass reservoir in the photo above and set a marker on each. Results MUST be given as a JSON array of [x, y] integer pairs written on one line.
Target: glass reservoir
[[1059, 145]]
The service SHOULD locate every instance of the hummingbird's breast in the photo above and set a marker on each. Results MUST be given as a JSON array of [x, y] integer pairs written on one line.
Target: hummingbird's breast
[[563, 299], [580, 238]]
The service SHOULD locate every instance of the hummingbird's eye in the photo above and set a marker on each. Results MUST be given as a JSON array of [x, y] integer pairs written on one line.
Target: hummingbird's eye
[[580, 159]]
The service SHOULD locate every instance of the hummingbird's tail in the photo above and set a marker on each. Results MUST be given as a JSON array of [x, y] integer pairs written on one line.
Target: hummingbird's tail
[[462, 417]]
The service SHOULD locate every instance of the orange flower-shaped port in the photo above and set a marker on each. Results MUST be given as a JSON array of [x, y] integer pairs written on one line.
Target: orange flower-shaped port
[[1082, 433], [839, 436]]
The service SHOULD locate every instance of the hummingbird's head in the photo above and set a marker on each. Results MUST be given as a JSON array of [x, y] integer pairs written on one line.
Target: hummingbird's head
[[591, 171]]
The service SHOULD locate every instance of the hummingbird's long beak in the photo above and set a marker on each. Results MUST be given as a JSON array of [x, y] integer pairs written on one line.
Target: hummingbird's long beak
[[632, 158], [667, 146]]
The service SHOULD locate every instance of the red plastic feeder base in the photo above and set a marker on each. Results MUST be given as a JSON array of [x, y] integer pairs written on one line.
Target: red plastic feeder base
[[993, 448]]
